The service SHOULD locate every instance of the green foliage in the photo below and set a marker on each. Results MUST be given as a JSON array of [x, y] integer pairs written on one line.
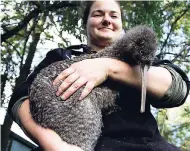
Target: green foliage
[[174, 125], [57, 20], [144, 12]]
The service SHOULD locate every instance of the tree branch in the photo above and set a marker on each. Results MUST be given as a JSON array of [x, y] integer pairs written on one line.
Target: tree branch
[[177, 128], [15, 48], [33, 14], [180, 54], [172, 27], [20, 26], [26, 40]]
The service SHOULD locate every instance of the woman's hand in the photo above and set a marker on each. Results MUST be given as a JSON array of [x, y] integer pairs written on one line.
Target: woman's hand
[[89, 72]]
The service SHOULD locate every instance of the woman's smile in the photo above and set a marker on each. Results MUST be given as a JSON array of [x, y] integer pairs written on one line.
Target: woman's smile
[[105, 29]]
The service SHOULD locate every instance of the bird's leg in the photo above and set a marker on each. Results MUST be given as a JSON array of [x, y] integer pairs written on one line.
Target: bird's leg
[[144, 70]]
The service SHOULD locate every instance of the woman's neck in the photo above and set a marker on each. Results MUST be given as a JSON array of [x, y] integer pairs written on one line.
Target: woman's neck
[[96, 48]]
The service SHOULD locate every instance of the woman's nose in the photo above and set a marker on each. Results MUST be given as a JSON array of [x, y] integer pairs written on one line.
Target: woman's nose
[[106, 20]]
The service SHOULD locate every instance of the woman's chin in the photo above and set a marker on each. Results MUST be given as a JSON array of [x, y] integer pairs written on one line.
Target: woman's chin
[[104, 42], [106, 37]]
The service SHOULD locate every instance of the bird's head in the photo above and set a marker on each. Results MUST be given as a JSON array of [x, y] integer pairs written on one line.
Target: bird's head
[[139, 43]]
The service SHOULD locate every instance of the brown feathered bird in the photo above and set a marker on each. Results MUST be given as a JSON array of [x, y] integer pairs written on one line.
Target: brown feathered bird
[[79, 122]]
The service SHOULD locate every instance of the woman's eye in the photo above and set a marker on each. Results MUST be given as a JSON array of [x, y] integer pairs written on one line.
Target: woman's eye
[[97, 15], [114, 16]]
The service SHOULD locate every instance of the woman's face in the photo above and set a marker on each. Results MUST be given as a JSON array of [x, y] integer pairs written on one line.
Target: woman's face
[[104, 23]]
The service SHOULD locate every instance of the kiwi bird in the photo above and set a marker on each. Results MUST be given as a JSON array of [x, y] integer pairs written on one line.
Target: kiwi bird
[[79, 122]]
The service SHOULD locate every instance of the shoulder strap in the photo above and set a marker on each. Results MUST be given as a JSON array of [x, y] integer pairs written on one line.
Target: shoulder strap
[[66, 53], [77, 50]]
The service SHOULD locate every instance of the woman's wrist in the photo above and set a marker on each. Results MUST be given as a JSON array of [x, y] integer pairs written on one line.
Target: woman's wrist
[[123, 72]]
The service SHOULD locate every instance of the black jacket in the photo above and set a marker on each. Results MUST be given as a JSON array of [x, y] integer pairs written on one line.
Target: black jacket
[[124, 130]]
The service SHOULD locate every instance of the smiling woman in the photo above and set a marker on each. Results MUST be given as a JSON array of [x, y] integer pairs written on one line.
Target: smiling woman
[[104, 24], [127, 128]]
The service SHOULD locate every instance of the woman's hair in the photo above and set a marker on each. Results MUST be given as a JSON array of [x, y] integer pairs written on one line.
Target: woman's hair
[[87, 11]]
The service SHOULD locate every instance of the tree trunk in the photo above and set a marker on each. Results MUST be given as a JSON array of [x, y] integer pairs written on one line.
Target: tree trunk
[[5, 129], [26, 67], [4, 78]]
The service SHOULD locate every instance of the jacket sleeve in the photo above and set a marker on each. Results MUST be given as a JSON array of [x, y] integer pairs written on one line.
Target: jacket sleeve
[[178, 90], [21, 93]]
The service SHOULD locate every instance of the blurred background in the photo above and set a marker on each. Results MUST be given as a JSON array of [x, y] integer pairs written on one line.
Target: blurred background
[[29, 29]]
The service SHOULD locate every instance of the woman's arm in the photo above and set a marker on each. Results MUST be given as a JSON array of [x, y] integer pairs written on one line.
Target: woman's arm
[[48, 139], [159, 79], [165, 84], [93, 72]]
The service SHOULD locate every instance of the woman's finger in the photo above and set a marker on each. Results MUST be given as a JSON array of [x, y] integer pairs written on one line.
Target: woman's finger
[[67, 83], [64, 74], [88, 88], [73, 88]]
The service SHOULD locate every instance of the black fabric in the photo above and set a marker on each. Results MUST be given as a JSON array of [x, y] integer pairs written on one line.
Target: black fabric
[[127, 131], [124, 130]]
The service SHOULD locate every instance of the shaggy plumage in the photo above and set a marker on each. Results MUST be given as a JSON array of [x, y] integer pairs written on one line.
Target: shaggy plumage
[[79, 122]]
